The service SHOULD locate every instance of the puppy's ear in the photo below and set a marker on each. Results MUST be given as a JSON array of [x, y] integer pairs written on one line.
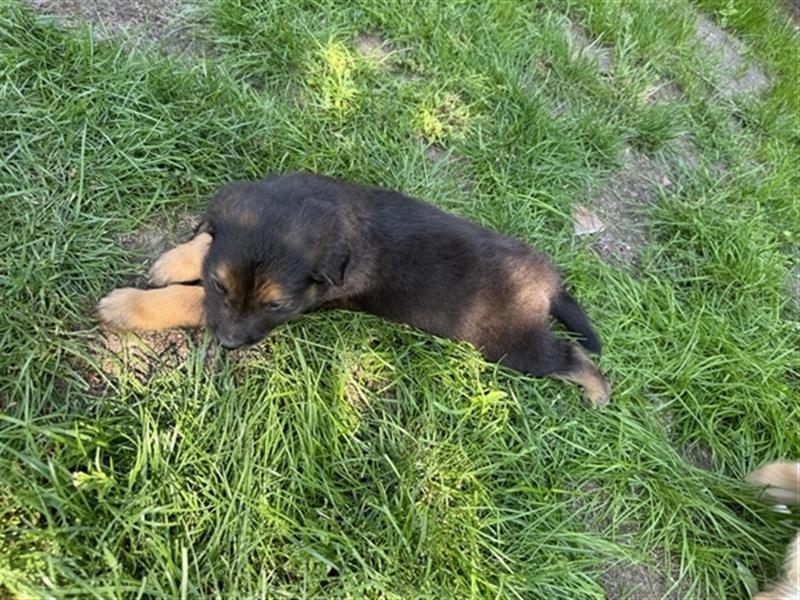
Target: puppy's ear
[[332, 267]]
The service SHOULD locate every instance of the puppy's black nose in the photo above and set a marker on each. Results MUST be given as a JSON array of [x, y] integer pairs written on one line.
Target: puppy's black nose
[[232, 343]]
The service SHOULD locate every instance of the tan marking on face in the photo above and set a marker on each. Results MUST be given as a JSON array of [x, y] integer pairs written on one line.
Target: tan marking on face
[[181, 264], [174, 306], [596, 388], [269, 291], [226, 276]]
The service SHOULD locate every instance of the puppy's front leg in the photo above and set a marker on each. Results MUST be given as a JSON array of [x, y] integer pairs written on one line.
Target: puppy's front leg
[[171, 307], [183, 263]]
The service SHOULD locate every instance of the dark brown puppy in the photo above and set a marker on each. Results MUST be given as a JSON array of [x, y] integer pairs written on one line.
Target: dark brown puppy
[[288, 244]]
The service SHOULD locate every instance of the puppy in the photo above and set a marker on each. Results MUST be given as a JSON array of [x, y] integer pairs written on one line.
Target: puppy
[[270, 250], [781, 485]]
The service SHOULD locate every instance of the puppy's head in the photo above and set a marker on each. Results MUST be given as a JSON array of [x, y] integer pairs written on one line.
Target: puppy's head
[[273, 256]]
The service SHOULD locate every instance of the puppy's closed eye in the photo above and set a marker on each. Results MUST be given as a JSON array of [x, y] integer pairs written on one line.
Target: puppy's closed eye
[[218, 286], [277, 305]]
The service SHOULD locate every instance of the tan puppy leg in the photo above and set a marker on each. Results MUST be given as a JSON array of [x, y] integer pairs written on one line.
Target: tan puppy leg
[[782, 481], [183, 263], [596, 388], [171, 307], [789, 587]]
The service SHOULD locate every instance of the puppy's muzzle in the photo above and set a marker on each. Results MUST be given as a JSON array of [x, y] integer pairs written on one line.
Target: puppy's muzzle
[[230, 342]]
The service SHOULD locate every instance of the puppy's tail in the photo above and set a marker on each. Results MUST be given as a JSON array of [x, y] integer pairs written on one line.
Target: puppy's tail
[[780, 480], [566, 310]]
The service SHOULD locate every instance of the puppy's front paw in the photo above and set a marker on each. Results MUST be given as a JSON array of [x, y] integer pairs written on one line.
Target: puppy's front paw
[[121, 310], [172, 267], [129, 309], [182, 264]]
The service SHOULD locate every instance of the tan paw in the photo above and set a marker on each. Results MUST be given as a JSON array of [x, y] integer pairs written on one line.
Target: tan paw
[[182, 264], [120, 310], [598, 392], [129, 309], [596, 388]]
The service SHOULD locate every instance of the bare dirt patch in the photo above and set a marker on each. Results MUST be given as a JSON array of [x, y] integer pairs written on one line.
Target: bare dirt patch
[[141, 355], [152, 241], [793, 6], [686, 153], [616, 215], [633, 580], [584, 47], [155, 21], [736, 75], [373, 46], [664, 91], [455, 166], [622, 579], [436, 153], [699, 456]]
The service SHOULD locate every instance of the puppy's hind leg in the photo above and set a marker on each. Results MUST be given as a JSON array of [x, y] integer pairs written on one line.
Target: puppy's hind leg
[[581, 370], [539, 353], [183, 263]]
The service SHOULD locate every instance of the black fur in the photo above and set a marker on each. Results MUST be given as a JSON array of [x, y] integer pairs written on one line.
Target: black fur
[[569, 314]]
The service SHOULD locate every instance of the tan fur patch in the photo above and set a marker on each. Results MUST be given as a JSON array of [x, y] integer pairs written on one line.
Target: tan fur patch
[[789, 587], [246, 218], [782, 481], [529, 287], [269, 291], [596, 388], [535, 284], [181, 264], [129, 309], [226, 276]]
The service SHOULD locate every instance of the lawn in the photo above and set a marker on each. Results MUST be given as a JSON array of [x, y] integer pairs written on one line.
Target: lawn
[[650, 147]]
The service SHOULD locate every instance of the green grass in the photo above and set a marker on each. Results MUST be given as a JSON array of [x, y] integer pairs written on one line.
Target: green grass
[[349, 457]]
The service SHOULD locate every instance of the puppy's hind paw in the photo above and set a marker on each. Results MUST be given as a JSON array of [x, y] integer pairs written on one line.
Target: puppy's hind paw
[[599, 393]]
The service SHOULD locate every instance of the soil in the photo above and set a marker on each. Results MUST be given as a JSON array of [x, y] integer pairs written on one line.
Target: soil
[[155, 21], [373, 46], [152, 241], [583, 46], [616, 214], [736, 75], [793, 6], [621, 579]]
